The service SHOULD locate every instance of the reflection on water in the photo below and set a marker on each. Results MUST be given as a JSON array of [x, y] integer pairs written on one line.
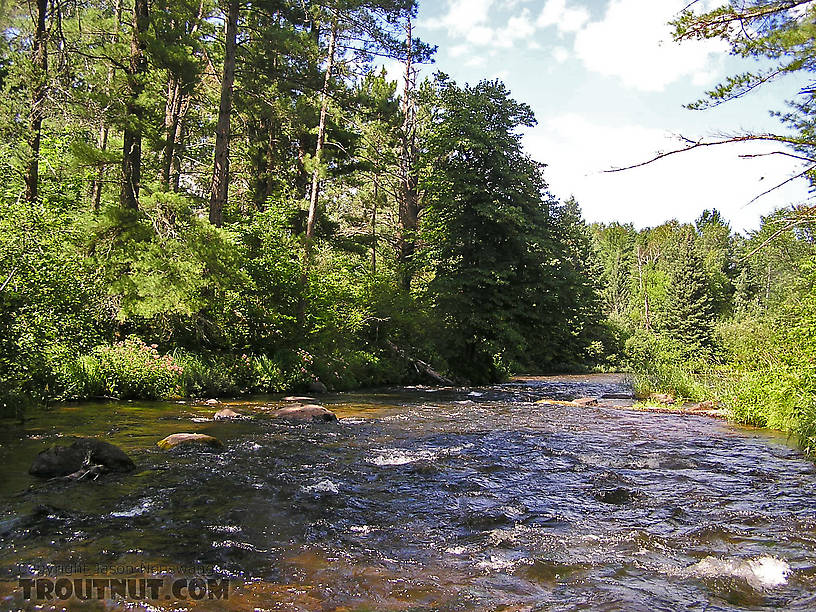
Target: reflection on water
[[426, 499]]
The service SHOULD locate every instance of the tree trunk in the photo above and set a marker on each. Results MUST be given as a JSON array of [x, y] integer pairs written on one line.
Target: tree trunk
[[39, 57], [374, 227], [176, 106], [321, 134], [96, 187], [315, 189], [132, 136], [271, 150], [646, 315], [104, 130], [220, 180], [409, 180], [178, 148], [172, 111]]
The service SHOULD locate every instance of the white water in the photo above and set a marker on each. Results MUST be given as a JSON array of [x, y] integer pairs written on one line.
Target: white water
[[760, 572]]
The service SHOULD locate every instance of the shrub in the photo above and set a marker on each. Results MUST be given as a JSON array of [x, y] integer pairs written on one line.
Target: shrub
[[129, 369]]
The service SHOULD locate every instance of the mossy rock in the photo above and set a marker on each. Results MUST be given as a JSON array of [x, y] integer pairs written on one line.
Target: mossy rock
[[187, 439]]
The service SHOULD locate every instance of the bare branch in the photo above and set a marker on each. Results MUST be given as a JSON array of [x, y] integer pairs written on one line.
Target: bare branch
[[791, 223], [8, 278], [699, 144], [783, 153], [782, 184]]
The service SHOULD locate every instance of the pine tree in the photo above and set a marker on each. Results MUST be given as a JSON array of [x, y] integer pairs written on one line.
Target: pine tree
[[688, 316]]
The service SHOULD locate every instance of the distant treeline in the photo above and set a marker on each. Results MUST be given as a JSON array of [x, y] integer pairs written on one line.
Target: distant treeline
[[707, 314]]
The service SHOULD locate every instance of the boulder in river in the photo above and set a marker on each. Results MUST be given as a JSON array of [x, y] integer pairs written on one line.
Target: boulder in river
[[617, 496], [305, 412], [84, 454], [317, 387], [226, 415], [186, 439]]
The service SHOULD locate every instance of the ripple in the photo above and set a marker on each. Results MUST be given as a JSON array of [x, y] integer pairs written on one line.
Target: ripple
[[143, 507], [397, 456]]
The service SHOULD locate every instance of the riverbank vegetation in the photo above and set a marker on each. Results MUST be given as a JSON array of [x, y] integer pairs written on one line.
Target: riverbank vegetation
[[207, 199], [709, 315], [202, 199]]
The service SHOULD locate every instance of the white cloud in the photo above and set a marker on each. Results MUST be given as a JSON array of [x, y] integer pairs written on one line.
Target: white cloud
[[480, 35], [470, 20], [681, 186], [567, 18], [462, 16], [560, 54], [521, 26], [633, 43]]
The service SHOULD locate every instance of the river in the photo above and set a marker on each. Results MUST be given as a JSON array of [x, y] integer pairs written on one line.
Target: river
[[424, 499]]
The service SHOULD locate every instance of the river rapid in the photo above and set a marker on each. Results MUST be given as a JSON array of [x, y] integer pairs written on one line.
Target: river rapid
[[423, 499]]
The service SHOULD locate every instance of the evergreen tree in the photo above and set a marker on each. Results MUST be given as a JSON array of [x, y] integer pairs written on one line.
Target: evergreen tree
[[615, 244], [567, 318], [510, 267], [688, 316], [714, 243]]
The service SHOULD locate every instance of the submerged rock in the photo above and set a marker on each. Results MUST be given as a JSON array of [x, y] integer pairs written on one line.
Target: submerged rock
[[180, 439], [226, 415], [84, 454], [305, 412], [616, 497], [585, 401], [317, 387], [9, 525]]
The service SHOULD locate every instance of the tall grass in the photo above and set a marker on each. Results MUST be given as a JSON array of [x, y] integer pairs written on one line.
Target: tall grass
[[765, 375]]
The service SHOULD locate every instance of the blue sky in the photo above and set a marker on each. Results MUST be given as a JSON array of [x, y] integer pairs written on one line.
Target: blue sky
[[608, 84]]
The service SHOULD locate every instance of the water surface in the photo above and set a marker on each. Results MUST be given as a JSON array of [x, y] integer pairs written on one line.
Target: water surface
[[423, 499]]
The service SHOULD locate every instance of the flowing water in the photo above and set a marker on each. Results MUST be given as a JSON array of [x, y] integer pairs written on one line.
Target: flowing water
[[422, 499]]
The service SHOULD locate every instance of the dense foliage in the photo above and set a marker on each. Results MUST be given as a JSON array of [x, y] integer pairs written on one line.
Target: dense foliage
[[201, 198], [512, 278], [710, 315], [217, 198]]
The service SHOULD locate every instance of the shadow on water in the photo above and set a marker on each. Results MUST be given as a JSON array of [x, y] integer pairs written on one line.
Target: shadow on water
[[424, 499]]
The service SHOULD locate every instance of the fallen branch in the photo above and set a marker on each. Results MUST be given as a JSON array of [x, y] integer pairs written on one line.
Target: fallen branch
[[421, 367]]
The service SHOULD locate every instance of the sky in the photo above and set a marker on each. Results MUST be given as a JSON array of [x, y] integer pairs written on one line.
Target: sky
[[608, 84]]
